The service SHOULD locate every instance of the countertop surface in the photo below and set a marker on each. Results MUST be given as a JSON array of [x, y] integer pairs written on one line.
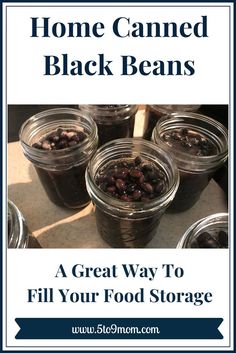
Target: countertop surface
[[55, 227]]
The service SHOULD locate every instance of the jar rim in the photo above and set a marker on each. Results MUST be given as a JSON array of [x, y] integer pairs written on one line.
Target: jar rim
[[103, 113], [196, 226], [131, 207], [196, 162], [40, 155], [171, 108], [18, 221]]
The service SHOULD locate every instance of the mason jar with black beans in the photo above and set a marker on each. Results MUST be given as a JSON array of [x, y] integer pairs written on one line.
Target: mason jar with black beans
[[60, 143], [210, 232], [154, 113], [131, 182], [113, 121], [199, 146]]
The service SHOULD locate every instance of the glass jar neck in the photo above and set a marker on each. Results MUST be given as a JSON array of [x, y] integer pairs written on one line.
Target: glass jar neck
[[126, 149], [47, 121], [208, 127], [106, 113], [17, 230]]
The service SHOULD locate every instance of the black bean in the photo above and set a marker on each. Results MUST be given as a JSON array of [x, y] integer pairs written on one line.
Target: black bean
[[147, 168], [59, 131], [138, 160], [137, 195], [120, 184], [111, 189], [122, 173], [184, 131], [125, 198], [135, 173], [141, 179], [111, 180], [62, 144], [203, 237], [147, 187], [151, 176], [81, 135], [159, 187], [223, 238]]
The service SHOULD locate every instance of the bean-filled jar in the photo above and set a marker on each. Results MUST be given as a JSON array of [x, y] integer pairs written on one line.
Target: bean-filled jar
[[18, 234], [210, 232], [60, 143], [154, 113], [131, 183], [113, 121], [199, 146]]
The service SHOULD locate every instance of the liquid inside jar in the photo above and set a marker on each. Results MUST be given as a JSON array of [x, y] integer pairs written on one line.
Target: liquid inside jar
[[113, 121], [191, 142], [132, 180], [65, 188]]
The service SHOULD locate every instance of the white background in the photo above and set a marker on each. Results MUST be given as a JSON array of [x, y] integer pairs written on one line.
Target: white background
[[26, 84], [25, 57], [38, 268]]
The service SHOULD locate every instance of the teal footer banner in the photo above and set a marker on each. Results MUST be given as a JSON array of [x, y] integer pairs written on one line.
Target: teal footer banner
[[119, 328]]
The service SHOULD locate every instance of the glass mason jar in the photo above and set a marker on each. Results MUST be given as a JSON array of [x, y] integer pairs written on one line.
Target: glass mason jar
[[113, 121], [62, 171], [125, 224], [209, 232], [155, 112], [195, 170], [18, 234]]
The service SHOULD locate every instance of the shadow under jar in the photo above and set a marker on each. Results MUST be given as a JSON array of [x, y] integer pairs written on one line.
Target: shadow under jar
[[131, 183], [113, 121], [18, 234], [60, 161], [208, 233], [154, 113], [199, 146]]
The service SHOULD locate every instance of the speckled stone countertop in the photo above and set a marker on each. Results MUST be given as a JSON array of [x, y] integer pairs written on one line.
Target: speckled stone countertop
[[55, 227]]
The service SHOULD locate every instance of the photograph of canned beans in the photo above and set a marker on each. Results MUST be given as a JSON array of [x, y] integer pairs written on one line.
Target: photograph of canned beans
[[124, 176]]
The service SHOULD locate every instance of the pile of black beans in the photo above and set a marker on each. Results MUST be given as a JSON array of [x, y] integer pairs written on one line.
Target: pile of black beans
[[132, 180], [189, 141], [207, 240], [60, 139]]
